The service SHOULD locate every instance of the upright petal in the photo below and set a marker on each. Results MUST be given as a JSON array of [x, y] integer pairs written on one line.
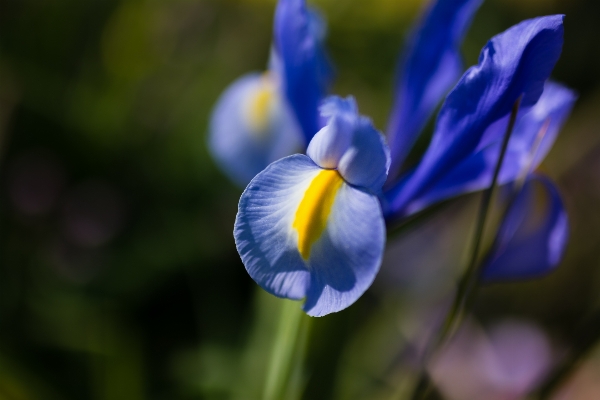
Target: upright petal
[[529, 242], [329, 144], [350, 143], [367, 160], [306, 73], [533, 136], [252, 126], [430, 66], [302, 232], [513, 64], [551, 112]]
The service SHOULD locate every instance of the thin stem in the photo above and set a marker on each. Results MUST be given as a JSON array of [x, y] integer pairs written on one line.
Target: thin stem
[[469, 279], [287, 350]]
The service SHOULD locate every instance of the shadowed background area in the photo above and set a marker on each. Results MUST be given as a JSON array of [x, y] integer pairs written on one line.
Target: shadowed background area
[[119, 277]]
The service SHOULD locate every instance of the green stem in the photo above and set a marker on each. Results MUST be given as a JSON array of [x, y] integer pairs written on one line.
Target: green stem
[[469, 279], [287, 354]]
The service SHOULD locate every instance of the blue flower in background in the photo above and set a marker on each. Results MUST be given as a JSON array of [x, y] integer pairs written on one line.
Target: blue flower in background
[[311, 226], [261, 118], [252, 126], [533, 234]]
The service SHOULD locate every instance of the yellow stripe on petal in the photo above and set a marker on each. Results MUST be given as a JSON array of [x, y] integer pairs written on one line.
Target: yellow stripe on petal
[[313, 211]]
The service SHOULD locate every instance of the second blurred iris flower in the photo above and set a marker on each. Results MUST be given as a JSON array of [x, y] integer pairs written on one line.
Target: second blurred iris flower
[[261, 118]]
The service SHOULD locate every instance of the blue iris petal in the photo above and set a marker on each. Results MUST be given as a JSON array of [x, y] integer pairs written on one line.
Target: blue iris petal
[[240, 149], [560, 100], [306, 72], [367, 160], [262, 233], [348, 258], [430, 66], [343, 262], [513, 64], [533, 136], [304, 231], [529, 243], [350, 143], [329, 144]]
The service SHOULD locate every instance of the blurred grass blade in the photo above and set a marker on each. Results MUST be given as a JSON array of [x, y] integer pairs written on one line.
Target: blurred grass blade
[[286, 361]]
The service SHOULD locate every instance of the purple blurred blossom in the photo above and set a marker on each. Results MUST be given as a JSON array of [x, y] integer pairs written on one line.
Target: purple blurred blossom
[[503, 364]]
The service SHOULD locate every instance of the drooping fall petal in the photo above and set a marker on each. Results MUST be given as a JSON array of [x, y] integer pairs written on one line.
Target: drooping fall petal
[[532, 238]]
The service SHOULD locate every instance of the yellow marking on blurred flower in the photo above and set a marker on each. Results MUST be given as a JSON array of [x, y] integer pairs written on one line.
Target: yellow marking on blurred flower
[[260, 106], [313, 211]]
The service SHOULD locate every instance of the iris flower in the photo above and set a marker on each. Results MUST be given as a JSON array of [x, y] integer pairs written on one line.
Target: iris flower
[[261, 118], [308, 228]]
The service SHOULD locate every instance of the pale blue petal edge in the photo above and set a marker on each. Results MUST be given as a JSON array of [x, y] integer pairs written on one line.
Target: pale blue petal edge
[[263, 227]]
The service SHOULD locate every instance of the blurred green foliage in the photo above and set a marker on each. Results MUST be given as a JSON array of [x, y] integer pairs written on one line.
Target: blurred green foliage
[[119, 278]]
